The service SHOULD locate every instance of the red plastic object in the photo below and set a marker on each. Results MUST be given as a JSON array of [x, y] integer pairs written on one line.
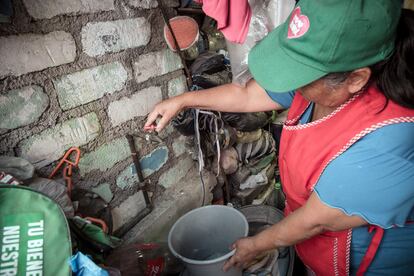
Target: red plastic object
[[68, 165], [99, 222], [185, 30]]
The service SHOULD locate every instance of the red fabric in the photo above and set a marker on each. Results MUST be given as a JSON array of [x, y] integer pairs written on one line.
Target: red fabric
[[232, 16], [306, 150], [372, 249]]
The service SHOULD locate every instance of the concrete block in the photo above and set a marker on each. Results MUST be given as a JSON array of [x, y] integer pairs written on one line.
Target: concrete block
[[139, 104], [104, 191], [21, 54], [41, 9], [143, 4], [177, 86], [170, 177], [90, 84], [50, 145], [179, 145], [100, 38], [148, 4], [167, 132], [172, 3], [174, 203], [156, 64], [21, 107], [149, 164], [128, 209], [104, 157]]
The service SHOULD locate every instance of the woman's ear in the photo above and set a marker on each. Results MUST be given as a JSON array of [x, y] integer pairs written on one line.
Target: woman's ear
[[358, 79]]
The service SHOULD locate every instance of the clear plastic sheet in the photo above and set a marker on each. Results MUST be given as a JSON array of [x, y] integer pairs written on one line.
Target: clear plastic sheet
[[266, 15]]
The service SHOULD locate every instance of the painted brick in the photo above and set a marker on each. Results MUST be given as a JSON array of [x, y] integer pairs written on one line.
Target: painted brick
[[156, 64], [40, 9], [48, 146], [90, 84], [104, 191], [114, 36], [104, 157], [21, 54], [149, 165], [177, 86], [139, 104], [170, 177], [21, 107], [128, 209]]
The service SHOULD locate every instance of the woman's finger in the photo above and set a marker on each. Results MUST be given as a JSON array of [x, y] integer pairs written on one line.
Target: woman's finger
[[227, 265], [162, 123], [152, 117]]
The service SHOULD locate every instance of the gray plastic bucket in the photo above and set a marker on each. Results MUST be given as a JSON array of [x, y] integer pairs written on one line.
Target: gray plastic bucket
[[202, 239]]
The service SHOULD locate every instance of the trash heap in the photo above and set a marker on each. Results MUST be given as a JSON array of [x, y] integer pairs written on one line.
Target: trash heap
[[71, 226], [237, 147]]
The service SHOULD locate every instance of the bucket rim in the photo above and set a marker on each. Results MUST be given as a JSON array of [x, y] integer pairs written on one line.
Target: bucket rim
[[166, 30], [213, 261]]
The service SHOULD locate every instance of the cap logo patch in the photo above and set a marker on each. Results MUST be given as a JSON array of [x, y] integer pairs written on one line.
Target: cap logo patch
[[299, 24]]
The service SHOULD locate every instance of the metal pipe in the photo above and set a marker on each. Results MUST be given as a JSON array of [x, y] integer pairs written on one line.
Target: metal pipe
[[190, 10], [148, 205], [177, 47], [135, 159]]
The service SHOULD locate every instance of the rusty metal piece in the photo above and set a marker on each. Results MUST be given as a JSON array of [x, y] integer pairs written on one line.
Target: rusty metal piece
[[135, 159]]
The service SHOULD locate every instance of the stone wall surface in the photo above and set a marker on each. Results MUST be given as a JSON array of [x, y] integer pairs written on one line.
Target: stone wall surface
[[21, 54], [85, 73], [99, 38], [90, 84], [40, 9]]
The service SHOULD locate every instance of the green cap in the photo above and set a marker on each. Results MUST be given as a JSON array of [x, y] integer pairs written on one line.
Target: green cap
[[325, 36]]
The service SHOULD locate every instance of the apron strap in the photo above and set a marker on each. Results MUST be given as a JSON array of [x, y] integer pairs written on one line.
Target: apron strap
[[372, 249]]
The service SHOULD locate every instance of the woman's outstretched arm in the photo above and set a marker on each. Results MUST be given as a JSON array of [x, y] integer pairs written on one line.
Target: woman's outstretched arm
[[226, 98]]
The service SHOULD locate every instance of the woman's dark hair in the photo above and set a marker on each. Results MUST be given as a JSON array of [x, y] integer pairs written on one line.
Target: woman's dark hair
[[394, 76]]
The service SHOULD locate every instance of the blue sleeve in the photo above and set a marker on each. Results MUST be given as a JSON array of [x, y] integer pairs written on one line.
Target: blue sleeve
[[374, 178], [284, 99]]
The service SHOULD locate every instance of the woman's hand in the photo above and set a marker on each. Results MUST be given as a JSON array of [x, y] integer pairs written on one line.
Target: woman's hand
[[246, 252], [167, 110]]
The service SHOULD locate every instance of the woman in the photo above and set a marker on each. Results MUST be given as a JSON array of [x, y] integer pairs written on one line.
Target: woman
[[347, 149]]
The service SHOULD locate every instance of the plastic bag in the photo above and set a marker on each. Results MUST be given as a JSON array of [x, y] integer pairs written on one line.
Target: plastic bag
[[208, 62], [246, 121], [55, 190], [148, 259], [82, 265], [17, 167], [91, 239], [266, 15]]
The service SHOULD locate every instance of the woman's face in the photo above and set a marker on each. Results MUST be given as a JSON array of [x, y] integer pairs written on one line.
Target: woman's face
[[321, 93], [331, 93]]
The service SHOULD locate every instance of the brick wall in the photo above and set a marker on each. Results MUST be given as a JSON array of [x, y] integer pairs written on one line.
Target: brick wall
[[85, 73]]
